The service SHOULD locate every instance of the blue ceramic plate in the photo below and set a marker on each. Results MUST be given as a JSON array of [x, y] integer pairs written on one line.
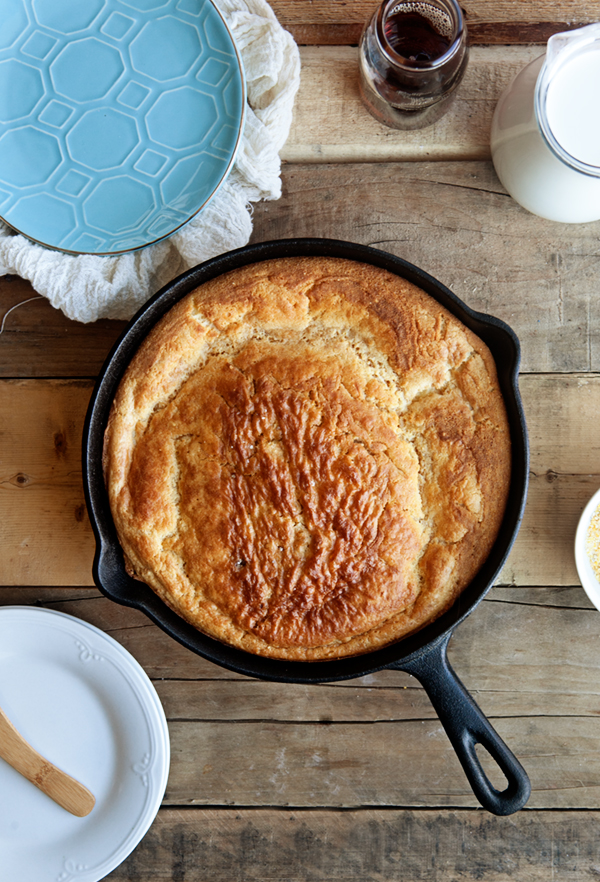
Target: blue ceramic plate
[[118, 120]]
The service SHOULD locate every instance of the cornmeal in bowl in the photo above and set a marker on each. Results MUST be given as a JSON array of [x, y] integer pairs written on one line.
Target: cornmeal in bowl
[[308, 458]]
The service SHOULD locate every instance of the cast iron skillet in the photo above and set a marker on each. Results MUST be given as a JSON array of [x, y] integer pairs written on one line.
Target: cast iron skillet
[[422, 654]]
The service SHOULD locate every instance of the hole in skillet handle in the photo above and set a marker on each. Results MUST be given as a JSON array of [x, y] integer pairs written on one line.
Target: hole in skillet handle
[[467, 726]]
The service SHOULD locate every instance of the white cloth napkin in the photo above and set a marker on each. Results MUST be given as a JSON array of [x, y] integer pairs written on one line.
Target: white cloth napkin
[[89, 287]]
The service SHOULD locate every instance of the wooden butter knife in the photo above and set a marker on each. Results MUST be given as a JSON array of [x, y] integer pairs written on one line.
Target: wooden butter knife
[[59, 786]]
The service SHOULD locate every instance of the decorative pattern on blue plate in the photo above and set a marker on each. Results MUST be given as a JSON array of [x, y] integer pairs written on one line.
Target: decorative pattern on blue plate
[[119, 119]]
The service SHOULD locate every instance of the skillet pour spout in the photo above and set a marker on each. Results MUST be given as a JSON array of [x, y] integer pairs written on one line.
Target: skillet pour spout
[[423, 653]]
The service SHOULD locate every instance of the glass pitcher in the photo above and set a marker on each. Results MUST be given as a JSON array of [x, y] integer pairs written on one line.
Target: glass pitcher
[[545, 138]]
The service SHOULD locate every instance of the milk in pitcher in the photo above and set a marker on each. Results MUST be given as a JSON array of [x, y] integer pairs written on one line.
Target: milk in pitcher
[[546, 130]]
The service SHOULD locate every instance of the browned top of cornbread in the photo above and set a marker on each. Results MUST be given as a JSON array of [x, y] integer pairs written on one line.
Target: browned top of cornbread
[[308, 458]]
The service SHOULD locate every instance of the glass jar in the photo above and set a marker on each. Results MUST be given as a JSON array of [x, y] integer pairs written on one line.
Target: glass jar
[[545, 137], [412, 56]]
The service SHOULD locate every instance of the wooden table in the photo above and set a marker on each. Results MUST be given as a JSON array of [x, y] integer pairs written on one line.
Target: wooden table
[[357, 781]]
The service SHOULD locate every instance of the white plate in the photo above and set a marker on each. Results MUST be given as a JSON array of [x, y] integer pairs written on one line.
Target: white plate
[[586, 574], [84, 703]]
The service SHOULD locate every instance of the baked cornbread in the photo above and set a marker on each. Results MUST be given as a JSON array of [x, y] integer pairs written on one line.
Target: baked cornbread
[[308, 458]]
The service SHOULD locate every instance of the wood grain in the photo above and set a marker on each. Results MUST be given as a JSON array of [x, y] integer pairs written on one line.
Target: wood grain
[[357, 11], [267, 845], [372, 764], [338, 128], [38, 340], [488, 21], [374, 741], [454, 220], [532, 10], [46, 535], [487, 33], [54, 782], [506, 652]]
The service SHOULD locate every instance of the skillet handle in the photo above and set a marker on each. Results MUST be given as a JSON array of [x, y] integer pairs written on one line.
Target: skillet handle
[[466, 726]]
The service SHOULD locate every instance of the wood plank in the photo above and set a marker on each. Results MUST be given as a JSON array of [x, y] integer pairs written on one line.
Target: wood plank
[[518, 653], [45, 533], [47, 538], [519, 32], [376, 740], [488, 21], [557, 639], [455, 221], [564, 474], [515, 660], [533, 10], [267, 845], [405, 763], [452, 219], [297, 12], [338, 128], [38, 340], [485, 33]]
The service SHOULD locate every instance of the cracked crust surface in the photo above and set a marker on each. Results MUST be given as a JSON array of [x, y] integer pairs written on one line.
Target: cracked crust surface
[[308, 458]]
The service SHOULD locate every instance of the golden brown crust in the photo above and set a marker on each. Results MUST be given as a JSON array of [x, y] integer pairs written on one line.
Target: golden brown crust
[[308, 458]]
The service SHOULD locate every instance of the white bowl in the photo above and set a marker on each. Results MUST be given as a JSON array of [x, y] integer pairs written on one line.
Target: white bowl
[[590, 583]]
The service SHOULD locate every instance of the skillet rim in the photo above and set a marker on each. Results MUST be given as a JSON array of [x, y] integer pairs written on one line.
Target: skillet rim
[[108, 567]]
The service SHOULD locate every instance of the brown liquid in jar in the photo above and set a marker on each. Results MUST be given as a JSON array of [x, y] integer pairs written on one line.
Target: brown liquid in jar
[[418, 32], [412, 56]]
